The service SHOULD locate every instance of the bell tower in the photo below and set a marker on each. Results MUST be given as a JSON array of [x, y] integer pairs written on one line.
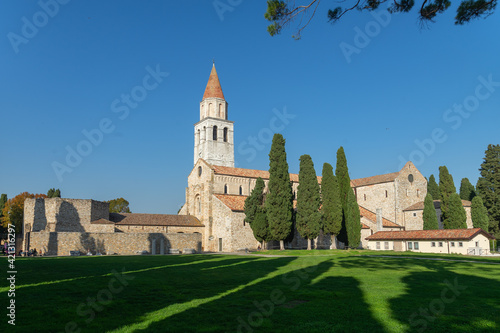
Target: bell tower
[[213, 134]]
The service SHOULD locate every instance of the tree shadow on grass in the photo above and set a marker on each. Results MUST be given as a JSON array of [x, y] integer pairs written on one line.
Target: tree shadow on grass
[[150, 290], [445, 301], [298, 300]]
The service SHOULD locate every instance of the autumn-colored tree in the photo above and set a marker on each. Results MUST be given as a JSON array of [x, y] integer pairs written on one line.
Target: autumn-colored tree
[[118, 205], [13, 212]]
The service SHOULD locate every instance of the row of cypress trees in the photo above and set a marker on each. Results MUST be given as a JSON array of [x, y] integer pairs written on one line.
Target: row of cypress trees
[[333, 208]]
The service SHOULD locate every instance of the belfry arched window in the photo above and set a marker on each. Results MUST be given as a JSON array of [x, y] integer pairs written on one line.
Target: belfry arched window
[[225, 189], [214, 136], [241, 190], [225, 134]]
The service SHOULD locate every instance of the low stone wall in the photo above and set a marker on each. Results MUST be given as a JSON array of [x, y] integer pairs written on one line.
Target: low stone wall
[[61, 243]]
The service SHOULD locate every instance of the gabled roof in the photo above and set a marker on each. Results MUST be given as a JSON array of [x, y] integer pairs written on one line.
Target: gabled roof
[[249, 173], [373, 217], [446, 234], [154, 219], [234, 202], [213, 88], [389, 177], [437, 205]]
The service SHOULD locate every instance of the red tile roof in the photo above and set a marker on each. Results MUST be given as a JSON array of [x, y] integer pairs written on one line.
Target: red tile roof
[[437, 205], [234, 202], [102, 221], [445, 234], [373, 217], [249, 173], [154, 219], [213, 88], [364, 226], [389, 177]]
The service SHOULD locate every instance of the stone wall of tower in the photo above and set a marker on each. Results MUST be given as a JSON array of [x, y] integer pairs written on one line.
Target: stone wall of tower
[[219, 151]]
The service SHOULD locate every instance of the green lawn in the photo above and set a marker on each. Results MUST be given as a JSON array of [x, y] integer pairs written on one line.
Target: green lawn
[[325, 291]]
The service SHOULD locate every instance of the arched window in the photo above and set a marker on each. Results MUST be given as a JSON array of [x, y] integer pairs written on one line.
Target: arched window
[[198, 203], [200, 170], [210, 109], [215, 133], [386, 194], [221, 113], [364, 196], [225, 189], [225, 134], [241, 190], [198, 138]]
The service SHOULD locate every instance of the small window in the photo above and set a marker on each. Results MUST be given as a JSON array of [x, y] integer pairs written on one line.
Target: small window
[[452, 244], [241, 190], [440, 244], [386, 245], [386, 194], [225, 189], [225, 134], [243, 222], [477, 244], [414, 214], [418, 192], [378, 245], [415, 245], [410, 247], [199, 204], [433, 244], [214, 136], [364, 196], [199, 171], [460, 244]]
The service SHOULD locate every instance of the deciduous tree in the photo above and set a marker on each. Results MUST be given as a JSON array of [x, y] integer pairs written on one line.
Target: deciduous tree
[[13, 211], [308, 201], [279, 200], [118, 205]]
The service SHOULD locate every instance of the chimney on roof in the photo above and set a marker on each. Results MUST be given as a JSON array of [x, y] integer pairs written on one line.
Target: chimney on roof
[[379, 219]]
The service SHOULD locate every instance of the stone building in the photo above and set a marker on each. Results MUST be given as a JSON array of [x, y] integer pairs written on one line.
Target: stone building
[[58, 226]]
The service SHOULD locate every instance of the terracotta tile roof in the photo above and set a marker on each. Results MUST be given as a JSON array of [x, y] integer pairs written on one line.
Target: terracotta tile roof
[[154, 219], [102, 221], [364, 226], [213, 88], [437, 205], [373, 217], [249, 173], [445, 234], [389, 177], [234, 202]]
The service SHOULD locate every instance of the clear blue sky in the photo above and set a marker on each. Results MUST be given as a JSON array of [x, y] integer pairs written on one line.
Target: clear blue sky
[[399, 86]]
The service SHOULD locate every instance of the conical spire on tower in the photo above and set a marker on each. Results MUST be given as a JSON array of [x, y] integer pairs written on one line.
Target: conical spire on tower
[[213, 88]]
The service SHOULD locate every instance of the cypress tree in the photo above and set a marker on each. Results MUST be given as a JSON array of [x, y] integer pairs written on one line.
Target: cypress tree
[[488, 187], [456, 216], [279, 200], [429, 214], [350, 219], [332, 208], [308, 201], [353, 220], [446, 189], [467, 190], [50, 193], [57, 193], [479, 214], [255, 213], [433, 188]]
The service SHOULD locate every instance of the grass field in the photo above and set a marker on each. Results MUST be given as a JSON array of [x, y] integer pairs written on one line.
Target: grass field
[[318, 291]]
